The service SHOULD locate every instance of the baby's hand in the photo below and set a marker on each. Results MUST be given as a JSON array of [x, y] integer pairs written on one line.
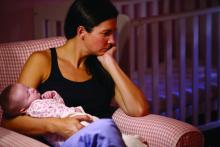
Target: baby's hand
[[79, 109], [48, 95]]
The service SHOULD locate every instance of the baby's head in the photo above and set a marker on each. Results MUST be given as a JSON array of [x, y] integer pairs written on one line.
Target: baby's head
[[16, 98]]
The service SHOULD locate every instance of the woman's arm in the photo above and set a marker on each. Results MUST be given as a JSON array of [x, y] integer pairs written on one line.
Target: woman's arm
[[129, 97], [35, 71], [37, 126]]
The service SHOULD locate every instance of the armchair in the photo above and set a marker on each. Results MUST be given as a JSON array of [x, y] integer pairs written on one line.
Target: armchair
[[155, 130]]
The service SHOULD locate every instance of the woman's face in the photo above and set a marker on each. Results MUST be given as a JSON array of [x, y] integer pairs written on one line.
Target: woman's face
[[101, 38]]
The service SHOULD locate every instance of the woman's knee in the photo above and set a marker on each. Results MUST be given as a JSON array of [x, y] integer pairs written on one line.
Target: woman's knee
[[103, 133], [105, 124]]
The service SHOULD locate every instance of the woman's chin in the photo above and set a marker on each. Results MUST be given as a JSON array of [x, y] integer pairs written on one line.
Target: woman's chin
[[100, 54]]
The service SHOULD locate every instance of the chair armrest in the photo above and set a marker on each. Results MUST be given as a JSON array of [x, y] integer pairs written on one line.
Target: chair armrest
[[159, 131], [11, 138]]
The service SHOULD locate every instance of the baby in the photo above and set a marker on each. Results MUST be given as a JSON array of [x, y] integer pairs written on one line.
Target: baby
[[18, 99]]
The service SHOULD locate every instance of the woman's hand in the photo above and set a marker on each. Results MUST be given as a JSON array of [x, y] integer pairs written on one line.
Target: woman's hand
[[68, 126], [107, 58]]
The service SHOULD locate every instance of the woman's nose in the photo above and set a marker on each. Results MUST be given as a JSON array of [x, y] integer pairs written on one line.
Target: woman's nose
[[112, 40]]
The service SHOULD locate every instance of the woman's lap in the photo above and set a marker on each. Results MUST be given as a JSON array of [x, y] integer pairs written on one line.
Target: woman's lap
[[101, 133]]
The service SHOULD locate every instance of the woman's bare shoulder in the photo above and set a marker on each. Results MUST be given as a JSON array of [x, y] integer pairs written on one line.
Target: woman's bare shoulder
[[40, 56], [36, 68], [41, 61]]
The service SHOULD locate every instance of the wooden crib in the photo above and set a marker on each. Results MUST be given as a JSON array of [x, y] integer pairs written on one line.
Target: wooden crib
[[173, 58], [175, 61]]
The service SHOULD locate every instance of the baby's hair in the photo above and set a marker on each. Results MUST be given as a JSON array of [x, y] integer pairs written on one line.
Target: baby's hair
[[4, 99], [5, 102]]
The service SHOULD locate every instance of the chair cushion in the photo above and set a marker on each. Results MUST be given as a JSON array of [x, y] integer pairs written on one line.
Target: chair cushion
[[10, 138], [159, 131]]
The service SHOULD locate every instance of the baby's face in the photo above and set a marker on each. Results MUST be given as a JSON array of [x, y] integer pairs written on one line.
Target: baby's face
[[26, 94]]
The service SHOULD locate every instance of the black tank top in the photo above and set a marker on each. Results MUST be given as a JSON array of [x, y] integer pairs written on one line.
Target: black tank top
[[91, 95]]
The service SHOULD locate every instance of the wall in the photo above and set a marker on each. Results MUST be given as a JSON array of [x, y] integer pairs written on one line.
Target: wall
[[17, 18]]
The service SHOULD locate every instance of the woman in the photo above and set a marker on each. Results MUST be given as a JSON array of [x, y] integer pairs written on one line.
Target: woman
[[84, 68]]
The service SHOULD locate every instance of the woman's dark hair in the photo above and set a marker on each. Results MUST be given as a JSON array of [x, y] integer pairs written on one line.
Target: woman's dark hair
[[90, 13], [87, 13]]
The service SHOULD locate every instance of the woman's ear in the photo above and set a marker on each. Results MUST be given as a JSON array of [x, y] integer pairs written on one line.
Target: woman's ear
[[81, 31], [22, 110]]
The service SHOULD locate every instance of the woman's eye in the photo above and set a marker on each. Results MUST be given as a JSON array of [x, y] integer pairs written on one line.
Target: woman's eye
[[107, 33]]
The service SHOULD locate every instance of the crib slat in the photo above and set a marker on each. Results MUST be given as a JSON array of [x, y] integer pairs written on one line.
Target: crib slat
[[182, 60], [141, 48], [218, 64], [155, 8], [62, 30], [177, 6], [195, 68], [51, 28], [168, 57], [142, 62], [131, 45], [131, 10], [155, 66], [202, 3], [155, 59], [208, 66], [131, 54], [143, 9], [214, 3], [141, 58], [59, 28], [166, 7], [39, 27]]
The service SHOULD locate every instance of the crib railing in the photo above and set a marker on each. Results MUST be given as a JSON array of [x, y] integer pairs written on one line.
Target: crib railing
[[139, 8], [146, 8], [184, 43], [49, 19]]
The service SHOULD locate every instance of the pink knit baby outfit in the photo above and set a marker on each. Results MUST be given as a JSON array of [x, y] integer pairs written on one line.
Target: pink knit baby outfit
[[51, 104]]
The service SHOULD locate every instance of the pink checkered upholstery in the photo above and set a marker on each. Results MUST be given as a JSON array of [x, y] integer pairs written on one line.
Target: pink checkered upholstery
[[10, 138], [155, 130], [159, 131], [13, 56]]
